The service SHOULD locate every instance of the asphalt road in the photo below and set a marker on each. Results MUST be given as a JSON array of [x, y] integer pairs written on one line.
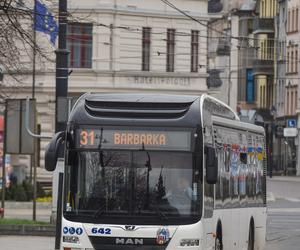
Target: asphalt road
[[283, 224]]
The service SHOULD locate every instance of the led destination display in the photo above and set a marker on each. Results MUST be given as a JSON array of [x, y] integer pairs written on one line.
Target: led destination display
[[133, 139]]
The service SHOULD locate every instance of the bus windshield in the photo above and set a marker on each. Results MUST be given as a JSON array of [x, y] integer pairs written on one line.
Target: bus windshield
[[132, 187]]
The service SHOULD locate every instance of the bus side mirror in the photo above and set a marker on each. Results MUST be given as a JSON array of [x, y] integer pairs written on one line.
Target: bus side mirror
[[211, 165], [53, 150]]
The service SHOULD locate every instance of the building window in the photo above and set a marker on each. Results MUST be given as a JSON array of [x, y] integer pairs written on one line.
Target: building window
[[293, 21], [296, 98], [262, 8], [292, 61], [270, 45], [287, 102], [194, 50], [296, 59], [250, 86], [146, 42], [289, 21], [297, 19], [79, 40], [261, 96], [281, 50], [292, 102], [264, 96], [170, 50], [288, 61]]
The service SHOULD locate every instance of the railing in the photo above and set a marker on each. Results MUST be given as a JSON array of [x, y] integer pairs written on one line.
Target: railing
[[263, 24], [263, 67]]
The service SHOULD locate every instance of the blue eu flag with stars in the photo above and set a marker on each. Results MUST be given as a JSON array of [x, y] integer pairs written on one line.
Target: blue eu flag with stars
[[44, 21]]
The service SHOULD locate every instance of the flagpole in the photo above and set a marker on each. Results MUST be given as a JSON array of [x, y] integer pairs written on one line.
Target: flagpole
[[33, 156], [61, 93], [34, 51]]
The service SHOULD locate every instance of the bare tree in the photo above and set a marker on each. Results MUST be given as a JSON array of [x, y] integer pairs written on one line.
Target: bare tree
[[17, 44]]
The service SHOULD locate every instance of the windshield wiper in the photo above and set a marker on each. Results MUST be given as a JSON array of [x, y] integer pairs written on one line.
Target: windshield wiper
[[99, 212], [161, 214]]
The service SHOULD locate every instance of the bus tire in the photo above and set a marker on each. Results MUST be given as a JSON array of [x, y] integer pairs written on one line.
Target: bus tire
[[219, 239], [251, 238]]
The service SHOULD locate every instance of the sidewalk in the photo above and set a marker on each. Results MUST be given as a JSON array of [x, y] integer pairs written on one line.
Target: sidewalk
[[284, 178], [283, 188], [23, 210]]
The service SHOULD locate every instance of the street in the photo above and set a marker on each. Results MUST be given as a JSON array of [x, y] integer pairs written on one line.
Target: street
[[26, 242], [283, 224], [283, 228]]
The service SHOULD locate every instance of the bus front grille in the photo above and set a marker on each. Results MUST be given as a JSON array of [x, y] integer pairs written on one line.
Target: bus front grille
[[115, 243]]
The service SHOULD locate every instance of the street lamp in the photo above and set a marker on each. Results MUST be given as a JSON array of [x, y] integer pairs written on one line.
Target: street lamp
[[229, 59]]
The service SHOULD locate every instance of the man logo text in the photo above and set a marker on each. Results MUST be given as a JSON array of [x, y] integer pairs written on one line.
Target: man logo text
[[129, 241]]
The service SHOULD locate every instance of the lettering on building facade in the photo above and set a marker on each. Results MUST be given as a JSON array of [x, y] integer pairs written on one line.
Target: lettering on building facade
[[175, 81]]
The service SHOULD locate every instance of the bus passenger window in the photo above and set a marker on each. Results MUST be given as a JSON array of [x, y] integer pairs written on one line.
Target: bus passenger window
[[227, 156], [219, 185], [234, 174], [226, 176], [243, 158]]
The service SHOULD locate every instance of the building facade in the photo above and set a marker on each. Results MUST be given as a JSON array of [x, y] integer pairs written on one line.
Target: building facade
[[287, 87], [291, 84], [222, 62], [125, 46], [283, 145]]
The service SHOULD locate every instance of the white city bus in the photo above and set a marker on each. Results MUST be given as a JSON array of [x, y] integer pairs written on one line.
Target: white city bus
[[160, 172]]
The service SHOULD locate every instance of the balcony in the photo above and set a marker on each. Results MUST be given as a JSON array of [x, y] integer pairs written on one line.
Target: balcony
[[223, 48], [263, 67], [263, 25]]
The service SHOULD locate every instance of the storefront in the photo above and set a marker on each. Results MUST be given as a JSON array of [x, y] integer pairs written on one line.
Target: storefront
[[285, 149]]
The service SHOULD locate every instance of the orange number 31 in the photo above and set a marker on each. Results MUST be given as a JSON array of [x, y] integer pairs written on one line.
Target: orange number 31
[[87, 138]]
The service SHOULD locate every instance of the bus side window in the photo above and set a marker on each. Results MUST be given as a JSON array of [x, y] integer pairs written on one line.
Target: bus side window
[[234, 177], [251, 181], [226, 176], [219, 185], [227, 156], [243, 158], [242, 176]]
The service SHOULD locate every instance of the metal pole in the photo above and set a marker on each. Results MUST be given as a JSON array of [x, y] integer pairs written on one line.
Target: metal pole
[[61, 65], [34, 157], [3, 161], [59, 211], [34, 51], [61, 93], [229, 59], [33, 84]]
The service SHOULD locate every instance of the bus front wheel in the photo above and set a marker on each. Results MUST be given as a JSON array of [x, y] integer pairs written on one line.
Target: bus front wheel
[[251, 237], [219, 242]]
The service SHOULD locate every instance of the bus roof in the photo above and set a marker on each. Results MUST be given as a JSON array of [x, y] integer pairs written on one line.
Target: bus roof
[[140, 98], [142, 109]]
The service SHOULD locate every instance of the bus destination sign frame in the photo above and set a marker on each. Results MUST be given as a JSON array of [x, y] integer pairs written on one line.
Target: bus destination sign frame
[[90, 138]]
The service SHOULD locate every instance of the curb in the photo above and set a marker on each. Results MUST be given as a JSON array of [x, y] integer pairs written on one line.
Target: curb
[[27, 205], [29, 230], [284, 178]]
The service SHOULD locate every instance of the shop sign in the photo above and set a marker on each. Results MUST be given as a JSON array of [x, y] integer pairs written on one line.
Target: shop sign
[[290, 132]]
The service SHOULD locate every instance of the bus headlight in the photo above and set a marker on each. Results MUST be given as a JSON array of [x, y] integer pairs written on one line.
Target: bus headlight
[[71, 239], [189, 242]]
